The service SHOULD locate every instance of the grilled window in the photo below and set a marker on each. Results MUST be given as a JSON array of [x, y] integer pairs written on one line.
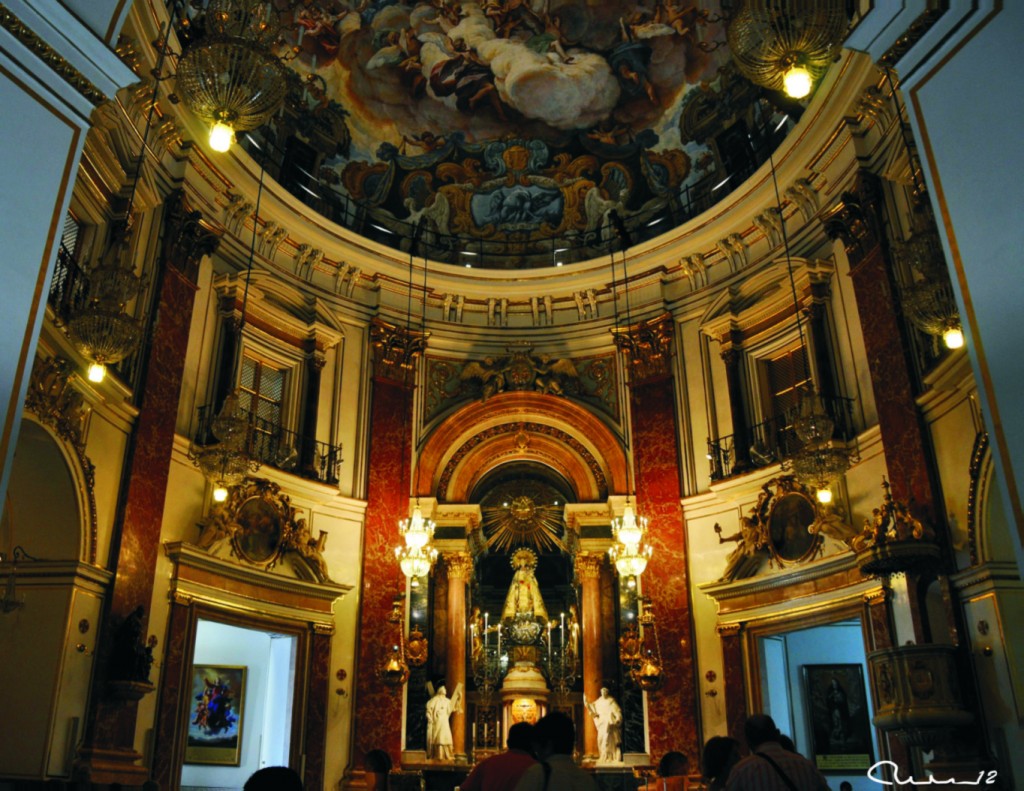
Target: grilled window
[[786, 374], [262, 391]]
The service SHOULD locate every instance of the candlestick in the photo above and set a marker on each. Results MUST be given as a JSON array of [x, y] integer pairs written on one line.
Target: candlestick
[[474, 734]]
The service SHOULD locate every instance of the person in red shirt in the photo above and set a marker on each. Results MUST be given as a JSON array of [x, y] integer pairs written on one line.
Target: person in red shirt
[[502, 772]]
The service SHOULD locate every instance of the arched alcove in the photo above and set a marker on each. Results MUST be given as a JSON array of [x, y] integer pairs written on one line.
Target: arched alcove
[[45, 500], [548, 430]]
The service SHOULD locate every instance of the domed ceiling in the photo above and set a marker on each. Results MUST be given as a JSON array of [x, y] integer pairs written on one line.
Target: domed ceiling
[[511, 131]]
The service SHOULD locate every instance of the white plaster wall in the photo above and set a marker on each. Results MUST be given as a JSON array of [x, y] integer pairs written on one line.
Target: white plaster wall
[[966, 107]]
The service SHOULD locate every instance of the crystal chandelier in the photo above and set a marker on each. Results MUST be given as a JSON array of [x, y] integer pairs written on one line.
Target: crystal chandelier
[[787, 45], [102, 329], [415, 555], [817, 464], [630, 552], [230, 76], [226, 462]]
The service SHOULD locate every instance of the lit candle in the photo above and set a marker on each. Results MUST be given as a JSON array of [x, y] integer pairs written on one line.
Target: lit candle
[[474, 734], [487, 618], [499, 648], [549, 642], [485, 734], [561, 633]]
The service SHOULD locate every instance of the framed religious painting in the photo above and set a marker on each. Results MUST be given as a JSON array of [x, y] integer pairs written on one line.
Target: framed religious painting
[[838, 717], [792, 512], [216, 715]]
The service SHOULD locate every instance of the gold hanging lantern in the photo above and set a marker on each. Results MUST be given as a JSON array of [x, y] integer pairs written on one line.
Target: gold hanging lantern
[[788, 45], [102, 329], [230, 77]]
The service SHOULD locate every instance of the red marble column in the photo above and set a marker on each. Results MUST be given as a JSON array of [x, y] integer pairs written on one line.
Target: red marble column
[[460, 567], [735, 688], [588, 573], [108, 754], [671, 711], [378, 708], [856, 222], [316, 708]]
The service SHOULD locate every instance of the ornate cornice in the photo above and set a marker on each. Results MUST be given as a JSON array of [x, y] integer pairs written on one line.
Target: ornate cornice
[[26, 36]]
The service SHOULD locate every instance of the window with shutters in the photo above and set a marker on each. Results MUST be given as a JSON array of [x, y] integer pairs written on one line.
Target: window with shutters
[[785, 375], [261, 394]]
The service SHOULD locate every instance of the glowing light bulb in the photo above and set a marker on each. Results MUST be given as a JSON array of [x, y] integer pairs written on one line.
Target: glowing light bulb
[[220, 493], [953, 338], [797, 82], [97, 372], [825, 496], [221, 136]]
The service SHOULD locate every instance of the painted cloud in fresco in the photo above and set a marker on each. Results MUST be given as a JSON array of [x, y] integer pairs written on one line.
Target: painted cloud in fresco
[[539, 68]]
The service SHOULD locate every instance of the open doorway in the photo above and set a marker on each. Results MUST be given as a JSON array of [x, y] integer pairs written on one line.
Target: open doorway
[[814, 684], [241, 704]]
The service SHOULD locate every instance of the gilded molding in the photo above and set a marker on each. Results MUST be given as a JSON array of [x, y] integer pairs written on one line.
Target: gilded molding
[[913, 34], [181, 599], [323, 629], [28, 38], [729, 629], [978, 456], [878, 596]]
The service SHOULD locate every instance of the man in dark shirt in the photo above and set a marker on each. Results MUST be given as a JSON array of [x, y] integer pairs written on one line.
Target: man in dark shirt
[[502, 772], [769, 765]]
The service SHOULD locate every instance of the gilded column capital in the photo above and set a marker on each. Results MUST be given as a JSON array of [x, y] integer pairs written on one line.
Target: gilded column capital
[[187, 239], [395, 350], [648, 348], [459, 565], [588, 566], [729, 629]]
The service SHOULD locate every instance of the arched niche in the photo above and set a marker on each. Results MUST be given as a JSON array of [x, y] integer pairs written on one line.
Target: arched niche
[[524, 427], [46, 500], [50, 625]]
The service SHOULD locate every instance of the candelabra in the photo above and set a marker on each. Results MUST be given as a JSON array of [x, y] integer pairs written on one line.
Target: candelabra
[[562, 662]]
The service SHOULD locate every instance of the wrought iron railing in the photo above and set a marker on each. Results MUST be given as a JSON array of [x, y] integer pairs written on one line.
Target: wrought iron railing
[[774, 439], [69, 287], [279, 447]]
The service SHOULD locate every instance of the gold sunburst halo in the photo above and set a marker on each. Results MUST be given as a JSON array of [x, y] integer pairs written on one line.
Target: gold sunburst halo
[[519, 518]]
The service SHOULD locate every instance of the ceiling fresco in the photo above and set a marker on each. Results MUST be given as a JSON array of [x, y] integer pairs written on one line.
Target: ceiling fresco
[[507, 133]]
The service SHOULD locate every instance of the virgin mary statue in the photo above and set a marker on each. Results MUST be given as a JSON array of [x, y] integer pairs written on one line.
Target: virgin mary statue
[[524, 599]]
